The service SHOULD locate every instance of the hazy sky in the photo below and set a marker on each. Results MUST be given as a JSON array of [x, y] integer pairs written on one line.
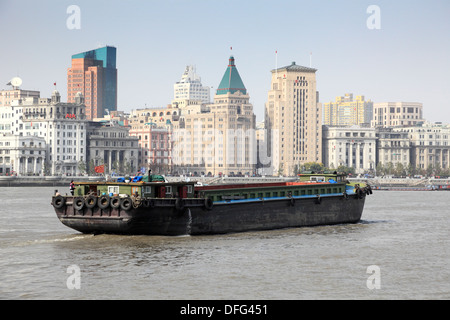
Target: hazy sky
[[406, 59]]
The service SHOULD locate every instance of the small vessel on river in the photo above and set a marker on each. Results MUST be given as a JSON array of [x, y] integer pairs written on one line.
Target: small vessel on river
[[150, 205]]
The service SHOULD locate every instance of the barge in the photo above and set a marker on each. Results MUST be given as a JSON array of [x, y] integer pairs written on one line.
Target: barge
[[149, 205]]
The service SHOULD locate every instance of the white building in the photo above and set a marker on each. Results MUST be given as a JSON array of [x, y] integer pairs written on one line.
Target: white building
[[62, 125], [190, 87], [21, 155], [353, 146], [430, 145], [393, 146]]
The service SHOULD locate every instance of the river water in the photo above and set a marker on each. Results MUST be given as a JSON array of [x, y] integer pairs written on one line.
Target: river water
[[400, 250]]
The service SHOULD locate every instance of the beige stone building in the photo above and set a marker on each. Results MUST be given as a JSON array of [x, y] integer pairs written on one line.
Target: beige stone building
[[217, 138], [394, 114], [293, 117], [393, 147], [205, 138], [351, 146], [430, 145]]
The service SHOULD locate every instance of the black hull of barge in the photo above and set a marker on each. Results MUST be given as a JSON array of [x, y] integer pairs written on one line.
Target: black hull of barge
[[194, 218]]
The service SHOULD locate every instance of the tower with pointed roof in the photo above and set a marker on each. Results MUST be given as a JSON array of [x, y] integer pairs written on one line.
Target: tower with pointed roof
[[293, 118], [221, 133], [231, 80]]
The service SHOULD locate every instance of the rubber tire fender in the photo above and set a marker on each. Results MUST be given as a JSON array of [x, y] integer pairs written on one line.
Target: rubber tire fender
[[78, 203], [59, 202], [90, 201], [103, 201], [115, 202], [126, 203]]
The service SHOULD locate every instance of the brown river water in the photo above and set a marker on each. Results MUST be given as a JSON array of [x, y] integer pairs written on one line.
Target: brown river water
[[400, 250]]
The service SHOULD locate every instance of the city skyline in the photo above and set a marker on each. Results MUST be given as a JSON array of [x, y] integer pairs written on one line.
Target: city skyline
[[406, 59]]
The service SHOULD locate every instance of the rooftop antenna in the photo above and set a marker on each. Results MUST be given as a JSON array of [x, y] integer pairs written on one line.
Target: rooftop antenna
[[276, 63], [310, 59], [229, 78]]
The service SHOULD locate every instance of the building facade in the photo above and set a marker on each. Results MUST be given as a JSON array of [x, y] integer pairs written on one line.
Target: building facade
[[393, 147], [112, 146], [61, 125], [190, 87], [293, 118], [154, 147], [22, 155], [217, 138], [350, 146], [7, 96], [94, 74], [393, 114], [430, 146], [347, 111]]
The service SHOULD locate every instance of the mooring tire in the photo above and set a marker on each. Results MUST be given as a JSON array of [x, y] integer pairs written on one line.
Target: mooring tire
[[103, 201], [208, 204], [126, 203], [115, 202], [59, 202], [78, 203], [90, 202]]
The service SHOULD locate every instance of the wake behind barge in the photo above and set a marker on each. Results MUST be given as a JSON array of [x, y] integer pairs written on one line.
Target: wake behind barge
[[148, 205]]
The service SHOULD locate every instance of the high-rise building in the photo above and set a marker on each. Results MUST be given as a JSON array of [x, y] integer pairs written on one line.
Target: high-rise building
[[218, 137], [190, 87], [293, 117], [94, 74], [394, 114], [346, 111]]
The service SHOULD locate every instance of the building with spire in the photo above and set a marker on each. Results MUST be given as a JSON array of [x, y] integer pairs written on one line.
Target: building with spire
[[217, 138], [94, 74], [293, 118]]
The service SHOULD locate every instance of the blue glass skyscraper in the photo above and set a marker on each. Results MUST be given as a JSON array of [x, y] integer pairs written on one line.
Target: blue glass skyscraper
[[94, 74]]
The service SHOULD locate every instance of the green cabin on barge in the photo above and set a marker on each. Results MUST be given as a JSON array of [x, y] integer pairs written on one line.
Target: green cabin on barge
[[154, 186]]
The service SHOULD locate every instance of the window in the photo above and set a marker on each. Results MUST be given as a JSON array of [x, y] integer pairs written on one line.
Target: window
[[113, 189], [169, 190]]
